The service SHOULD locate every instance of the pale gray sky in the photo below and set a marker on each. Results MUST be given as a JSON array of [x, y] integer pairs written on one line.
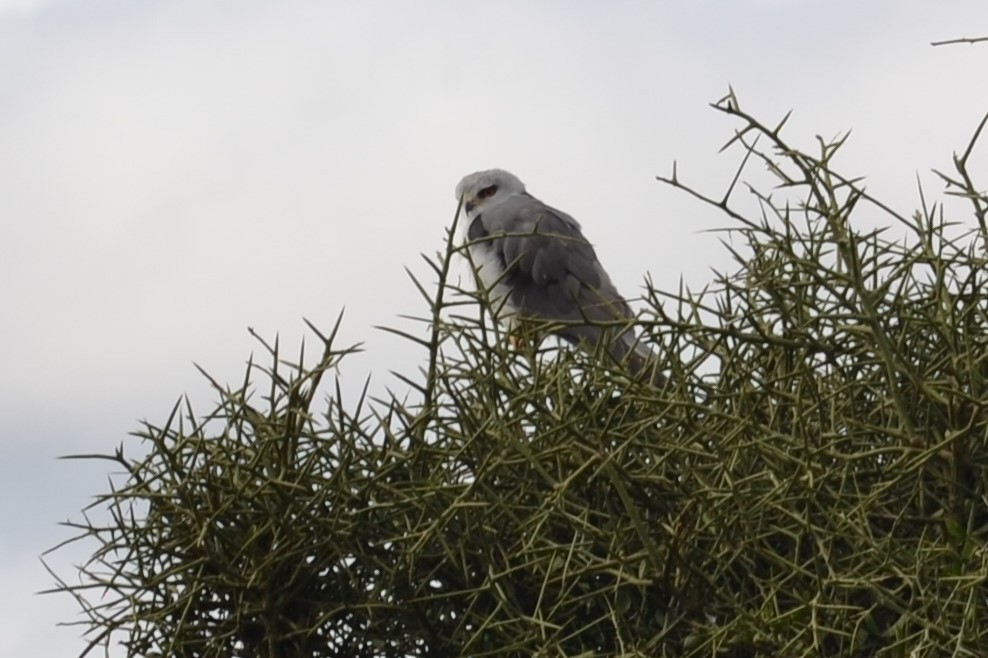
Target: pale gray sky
[[174, 172]]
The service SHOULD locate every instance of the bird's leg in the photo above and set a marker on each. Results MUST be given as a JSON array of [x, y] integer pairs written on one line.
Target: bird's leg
[[524, 339]]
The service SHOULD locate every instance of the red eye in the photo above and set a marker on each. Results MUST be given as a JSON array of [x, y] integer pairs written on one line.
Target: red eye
[[487, 191]]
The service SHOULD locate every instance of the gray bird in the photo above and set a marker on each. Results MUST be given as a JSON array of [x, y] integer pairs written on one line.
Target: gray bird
[[535, 263]]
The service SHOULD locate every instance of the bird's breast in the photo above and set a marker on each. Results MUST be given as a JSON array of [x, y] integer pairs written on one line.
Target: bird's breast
[[489, 266], [490, 270]]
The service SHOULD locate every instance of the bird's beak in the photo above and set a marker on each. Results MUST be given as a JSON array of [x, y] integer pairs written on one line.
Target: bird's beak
[[468, 207]]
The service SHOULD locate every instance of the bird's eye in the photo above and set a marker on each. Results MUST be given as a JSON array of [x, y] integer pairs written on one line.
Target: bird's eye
[[487, 191]]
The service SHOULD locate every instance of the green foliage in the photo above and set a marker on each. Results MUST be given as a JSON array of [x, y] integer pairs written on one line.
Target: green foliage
[[813, 483]]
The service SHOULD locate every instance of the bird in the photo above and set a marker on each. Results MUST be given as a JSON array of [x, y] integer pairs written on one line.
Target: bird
[[534, 263]]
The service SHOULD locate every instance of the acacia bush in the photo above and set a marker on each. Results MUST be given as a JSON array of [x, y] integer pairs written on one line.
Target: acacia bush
[[813, 482]]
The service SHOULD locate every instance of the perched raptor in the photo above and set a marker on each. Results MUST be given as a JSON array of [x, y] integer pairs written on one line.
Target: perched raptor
[[535, 263]]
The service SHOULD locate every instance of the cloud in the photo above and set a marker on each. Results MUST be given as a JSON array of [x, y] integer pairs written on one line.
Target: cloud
[[23, 7]]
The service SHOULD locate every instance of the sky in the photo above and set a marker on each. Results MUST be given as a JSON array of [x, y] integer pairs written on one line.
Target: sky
[[172, 173]]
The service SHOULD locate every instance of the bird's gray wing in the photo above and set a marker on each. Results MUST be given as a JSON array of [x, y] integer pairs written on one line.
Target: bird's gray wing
[[552, 273], [550, 268]]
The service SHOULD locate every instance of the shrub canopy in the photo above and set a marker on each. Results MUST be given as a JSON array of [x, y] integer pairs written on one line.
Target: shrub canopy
[[813, 483]]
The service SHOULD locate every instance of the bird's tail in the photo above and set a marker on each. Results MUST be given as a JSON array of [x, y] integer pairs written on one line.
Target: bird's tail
[[623, 348]]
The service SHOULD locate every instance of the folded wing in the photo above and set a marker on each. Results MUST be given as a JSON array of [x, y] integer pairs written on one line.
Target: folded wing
[[551, 273]]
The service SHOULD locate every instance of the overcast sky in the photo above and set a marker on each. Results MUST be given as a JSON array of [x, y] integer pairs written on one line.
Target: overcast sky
[[172, 173]]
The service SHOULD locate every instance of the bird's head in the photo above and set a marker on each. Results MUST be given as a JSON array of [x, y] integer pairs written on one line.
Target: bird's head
[[485, 189]]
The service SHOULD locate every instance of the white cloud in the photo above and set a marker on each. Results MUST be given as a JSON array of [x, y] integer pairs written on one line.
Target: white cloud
[[23, 7]]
